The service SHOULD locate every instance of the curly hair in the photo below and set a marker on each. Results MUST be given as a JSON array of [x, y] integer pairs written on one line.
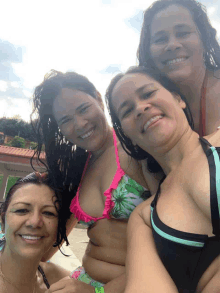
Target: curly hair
[[65, 161], [38, 179], [135, 151], [199, 15]]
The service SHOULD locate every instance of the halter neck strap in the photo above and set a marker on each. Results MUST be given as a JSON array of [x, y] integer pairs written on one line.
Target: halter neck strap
[[202, 117]]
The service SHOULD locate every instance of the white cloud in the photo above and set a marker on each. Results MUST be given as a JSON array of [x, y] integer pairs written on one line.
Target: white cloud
[[3, 86], [85, 36]]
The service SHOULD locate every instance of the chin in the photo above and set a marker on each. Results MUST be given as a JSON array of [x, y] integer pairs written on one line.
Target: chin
[[179, 76]]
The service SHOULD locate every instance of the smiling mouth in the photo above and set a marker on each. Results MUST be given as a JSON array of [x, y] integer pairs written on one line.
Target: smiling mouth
[[88, 134], [151, 121], [29, 237], [175, 61]]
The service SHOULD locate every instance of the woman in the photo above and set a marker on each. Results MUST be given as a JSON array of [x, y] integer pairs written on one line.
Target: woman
[[173, 240], [77, 136], [31, 224], [178, 39]]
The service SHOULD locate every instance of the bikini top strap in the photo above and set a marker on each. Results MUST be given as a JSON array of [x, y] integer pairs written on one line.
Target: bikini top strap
[[214, 170], [44, 277], [116, 149], [204, 144], [154, 202]]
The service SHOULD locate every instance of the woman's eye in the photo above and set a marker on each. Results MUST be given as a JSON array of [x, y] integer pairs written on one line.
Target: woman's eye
[[160, 40], [21, 211], [50, 214], [148, 95], [182, 34], [126, 113], [66, 120], [83, 110]]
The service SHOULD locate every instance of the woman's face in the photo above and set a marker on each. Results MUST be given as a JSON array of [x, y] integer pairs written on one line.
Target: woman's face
[[149, 114], [31, 221], [81, 118], [176, 46]]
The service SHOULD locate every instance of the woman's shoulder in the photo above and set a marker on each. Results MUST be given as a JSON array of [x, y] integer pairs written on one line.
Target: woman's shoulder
[[53, 272]]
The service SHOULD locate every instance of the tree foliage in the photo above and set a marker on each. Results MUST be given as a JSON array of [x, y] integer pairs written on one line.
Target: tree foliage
[[17, 127], [18, 142]]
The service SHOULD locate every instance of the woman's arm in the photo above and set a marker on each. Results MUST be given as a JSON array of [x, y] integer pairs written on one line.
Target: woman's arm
[[144, 269], [71, 223]]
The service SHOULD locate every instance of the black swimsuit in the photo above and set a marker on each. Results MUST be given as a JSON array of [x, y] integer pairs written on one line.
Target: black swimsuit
[[186, 256]]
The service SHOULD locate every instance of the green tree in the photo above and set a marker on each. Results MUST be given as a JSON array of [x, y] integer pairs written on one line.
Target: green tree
[[18, 142]]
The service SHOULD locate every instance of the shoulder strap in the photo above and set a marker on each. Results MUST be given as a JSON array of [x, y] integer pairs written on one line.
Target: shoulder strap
[[154, 202], [116, 149], [44, 277], [214, 167], [214, 171]]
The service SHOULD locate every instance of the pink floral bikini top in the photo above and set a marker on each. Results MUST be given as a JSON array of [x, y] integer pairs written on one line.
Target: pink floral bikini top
[[123, 195]]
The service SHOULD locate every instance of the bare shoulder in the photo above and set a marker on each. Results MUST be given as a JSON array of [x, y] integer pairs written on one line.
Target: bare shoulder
[[54, 272], [214, 138], [142, 211]]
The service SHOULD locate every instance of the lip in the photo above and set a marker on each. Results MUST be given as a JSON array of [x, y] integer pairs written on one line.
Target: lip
[[175, 60], [87, 134], [150, 121], [29, 240]]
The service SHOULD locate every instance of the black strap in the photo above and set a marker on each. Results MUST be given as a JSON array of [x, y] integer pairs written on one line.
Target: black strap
[[44, 277], [213, 192], [154, 202]]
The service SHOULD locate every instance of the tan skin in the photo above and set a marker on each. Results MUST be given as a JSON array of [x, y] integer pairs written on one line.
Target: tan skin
[[174, 34], [185, 190], [104, 259], [29, 215]]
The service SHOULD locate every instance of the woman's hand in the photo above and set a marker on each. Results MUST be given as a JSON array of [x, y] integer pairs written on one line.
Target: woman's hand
[[70, 285]]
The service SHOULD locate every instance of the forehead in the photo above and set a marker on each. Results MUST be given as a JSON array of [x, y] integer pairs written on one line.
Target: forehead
[[69, 100], [131, 82], [171, 17], [128, 85], [33, 194]]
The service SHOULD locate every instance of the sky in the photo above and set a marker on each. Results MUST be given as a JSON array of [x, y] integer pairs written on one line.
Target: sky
[[96, 38]]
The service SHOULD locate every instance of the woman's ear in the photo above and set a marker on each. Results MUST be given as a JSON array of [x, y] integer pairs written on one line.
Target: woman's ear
[[179, 100], [99, 99]]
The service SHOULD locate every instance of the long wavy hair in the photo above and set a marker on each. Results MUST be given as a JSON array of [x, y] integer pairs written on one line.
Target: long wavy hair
[[38, 179], [199, 15], [135, 151], [64, 160]]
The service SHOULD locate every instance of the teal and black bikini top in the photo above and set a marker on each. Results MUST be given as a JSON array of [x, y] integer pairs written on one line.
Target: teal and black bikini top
[[186, 256]]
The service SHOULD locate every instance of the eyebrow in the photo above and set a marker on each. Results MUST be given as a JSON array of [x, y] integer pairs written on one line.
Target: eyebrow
[[178, 26], [28, 204], [77, 109], [139, 91]]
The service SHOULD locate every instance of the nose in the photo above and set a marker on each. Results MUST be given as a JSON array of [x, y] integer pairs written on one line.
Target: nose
[[79, 122], [34, 220], [141, 108], [173, 44]]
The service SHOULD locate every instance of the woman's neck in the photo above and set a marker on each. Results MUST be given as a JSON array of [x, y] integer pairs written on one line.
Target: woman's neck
[[19, 271], [170, 155], [191, 87], [108, 142]]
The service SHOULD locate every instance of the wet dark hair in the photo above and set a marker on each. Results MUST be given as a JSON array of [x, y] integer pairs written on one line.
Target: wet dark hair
[[65, 160], [37, 179], [199, 15], [135, 151]]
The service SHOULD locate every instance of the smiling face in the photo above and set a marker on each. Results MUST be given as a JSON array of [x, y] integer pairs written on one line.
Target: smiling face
[[81, 118], [31, 221], [176, 46], [149, 114]]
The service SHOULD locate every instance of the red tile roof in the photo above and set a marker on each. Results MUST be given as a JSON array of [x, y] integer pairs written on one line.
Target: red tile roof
[[18, 152]]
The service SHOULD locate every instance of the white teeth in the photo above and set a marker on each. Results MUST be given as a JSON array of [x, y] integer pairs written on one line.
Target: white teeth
[[87, 134], [153, 119], [31, 237], [175, 60]]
